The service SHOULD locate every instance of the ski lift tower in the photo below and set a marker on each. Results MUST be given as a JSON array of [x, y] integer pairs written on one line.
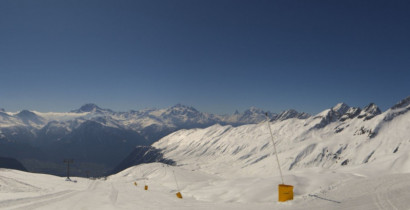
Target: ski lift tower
[[68, 161]]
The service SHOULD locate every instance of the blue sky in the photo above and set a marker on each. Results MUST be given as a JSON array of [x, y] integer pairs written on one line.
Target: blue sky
[[216, 55]]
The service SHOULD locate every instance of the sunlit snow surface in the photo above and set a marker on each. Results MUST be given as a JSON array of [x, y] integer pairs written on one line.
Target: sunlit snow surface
[[315, 188], [225, 167]]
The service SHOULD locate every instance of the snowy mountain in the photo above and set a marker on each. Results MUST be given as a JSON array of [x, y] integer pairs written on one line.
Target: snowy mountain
[[348, 162], [92, 108], [30, 118], [96, 136], [176, 117], [337, 137]]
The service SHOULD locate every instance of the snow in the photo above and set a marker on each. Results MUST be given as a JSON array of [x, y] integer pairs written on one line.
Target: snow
[[349, 164], [315, 188]]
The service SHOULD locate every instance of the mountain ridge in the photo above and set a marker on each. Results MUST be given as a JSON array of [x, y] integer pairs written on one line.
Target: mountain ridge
[[343, 138], [84, 133], [91, 133]]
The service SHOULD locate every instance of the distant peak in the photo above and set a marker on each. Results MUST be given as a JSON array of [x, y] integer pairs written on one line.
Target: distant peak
[[372, 109], [29, 117], [179, 105], [341, 108], [253, 109], [2, 110], [89, 107], [182, 106], [26, 113]]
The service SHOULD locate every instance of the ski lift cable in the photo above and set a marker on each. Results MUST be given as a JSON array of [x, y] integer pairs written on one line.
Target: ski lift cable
[[274, 146]]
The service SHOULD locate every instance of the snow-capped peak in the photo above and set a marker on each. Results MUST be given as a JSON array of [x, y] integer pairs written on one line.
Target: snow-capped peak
[[181, 107], [30, 118], [341, 108], [88, 108], [254, 110], [93, 108], [372, 109]]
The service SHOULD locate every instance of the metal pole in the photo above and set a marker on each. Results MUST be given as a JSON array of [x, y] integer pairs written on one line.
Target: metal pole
[[68, 161], [274, 146], [68, 170]]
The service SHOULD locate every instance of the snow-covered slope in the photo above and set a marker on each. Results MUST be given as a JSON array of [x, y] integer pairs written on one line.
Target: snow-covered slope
[[332, 139], [315, 188]]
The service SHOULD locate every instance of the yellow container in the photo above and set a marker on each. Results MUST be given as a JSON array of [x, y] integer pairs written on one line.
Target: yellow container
[[179, 195], [285, 192], [146, 187], [135, 183]]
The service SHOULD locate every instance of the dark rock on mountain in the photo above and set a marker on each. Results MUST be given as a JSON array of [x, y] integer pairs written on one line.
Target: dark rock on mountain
[[343, 112], [351, 113], [340, 109], [402, 104], [370, 111], [399, 109], [291, 113], [331, 115]]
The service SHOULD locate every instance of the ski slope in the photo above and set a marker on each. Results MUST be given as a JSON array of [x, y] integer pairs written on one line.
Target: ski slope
[[315, 188]]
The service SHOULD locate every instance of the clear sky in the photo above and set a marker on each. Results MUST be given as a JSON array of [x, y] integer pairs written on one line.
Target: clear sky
[[216, 55]]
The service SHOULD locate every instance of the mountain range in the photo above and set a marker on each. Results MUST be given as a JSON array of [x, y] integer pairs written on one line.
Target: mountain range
[[341, 136], [103, 141], [99, 138], [341, 158]]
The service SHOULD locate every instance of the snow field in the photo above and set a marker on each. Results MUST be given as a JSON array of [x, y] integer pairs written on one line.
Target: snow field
[[315, 188]]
